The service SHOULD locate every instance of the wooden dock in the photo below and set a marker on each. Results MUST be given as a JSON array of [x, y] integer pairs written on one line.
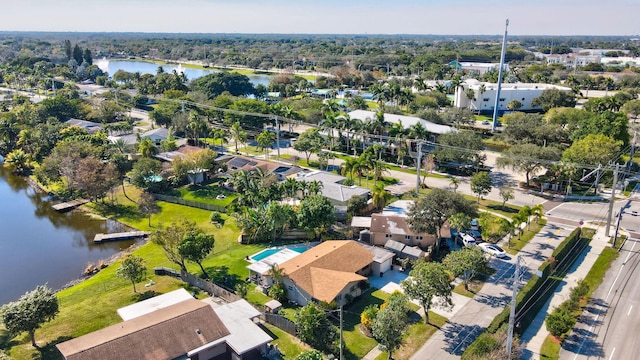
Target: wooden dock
[[120, 236], [69, 205]]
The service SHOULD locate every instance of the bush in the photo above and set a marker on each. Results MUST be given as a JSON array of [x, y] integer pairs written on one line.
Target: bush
[[483, 344], [560, 321], [567, 245]]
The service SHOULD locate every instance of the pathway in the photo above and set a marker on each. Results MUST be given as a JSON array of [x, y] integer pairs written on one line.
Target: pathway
[[537, 332]]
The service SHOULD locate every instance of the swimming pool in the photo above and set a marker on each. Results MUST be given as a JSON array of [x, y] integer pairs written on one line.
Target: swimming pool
[[268, 252]]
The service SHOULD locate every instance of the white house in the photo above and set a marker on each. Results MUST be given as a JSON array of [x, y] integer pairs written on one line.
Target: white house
[[485, 95]]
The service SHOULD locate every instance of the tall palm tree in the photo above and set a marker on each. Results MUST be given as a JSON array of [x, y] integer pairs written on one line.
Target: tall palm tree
[[238, 134], [329, 124], [26, 141], [380, 196], [379, 123], [290, 186], [219, 134], [349, 167], [455, 182], [265, 139], [507, 227], [538, 212], [378, 167]]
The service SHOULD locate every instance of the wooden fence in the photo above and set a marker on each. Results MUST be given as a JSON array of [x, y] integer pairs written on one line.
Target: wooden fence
[[226, 294], [280, 322], [191, 203]]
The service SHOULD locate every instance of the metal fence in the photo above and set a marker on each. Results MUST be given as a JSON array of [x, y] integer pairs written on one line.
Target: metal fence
[[192, 203]]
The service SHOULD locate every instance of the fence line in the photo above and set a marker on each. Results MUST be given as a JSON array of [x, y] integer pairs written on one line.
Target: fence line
[[280, 322], [191, 203], [214, 289]]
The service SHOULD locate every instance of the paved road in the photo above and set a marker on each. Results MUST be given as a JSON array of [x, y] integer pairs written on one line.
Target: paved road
[[460, 331], [610, 326]]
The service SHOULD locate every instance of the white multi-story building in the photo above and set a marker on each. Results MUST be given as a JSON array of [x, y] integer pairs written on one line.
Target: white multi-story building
[[484, 95], [477, 67]]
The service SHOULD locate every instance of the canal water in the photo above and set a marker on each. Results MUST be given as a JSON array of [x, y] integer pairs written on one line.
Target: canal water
[[112, 66], [39, 245]]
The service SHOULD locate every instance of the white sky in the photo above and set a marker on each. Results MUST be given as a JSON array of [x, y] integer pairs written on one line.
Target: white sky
[[527, 17]]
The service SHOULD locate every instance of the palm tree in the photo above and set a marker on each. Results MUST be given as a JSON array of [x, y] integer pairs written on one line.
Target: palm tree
[[402, 153], [238, 134], [379, 167], [18, 161], [26, 141], [455, 182], [460, 222], [418, 131], [219, 134], [349, 167], [507, 227], [471, 96], [265, 139], [538, 212], [526, 213], [379, 124], [290, 186], [147, 148], [315, 187], [328, 124], [380, 196]]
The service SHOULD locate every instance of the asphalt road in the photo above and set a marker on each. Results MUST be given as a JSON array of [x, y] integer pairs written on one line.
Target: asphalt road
[[463, 328], [609, 327]]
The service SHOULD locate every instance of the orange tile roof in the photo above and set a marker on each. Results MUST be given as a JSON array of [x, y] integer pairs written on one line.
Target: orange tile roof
[[325, 270]]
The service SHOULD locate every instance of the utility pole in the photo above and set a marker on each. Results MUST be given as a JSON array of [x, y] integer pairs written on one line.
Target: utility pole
[[418, 161], [615, 235], [340, 331], [613, 197], [512, 315], [497, 102], [278, 139], [53, 86]]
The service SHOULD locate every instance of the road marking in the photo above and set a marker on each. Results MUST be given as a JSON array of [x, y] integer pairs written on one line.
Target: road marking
[[611, 357], [605, 300], [630, 307]]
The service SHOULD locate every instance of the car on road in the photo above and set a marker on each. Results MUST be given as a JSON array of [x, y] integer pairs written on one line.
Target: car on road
[[476, 234], [492, 249], [486, 122]]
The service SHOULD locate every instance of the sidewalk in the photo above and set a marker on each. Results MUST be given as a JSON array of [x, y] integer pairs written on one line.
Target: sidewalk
[[537, 332]]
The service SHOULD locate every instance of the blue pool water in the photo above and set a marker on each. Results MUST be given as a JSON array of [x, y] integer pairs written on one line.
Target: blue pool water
[[268, 252]]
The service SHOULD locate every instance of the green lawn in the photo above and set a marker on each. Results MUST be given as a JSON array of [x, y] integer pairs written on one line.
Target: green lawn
[[289, 345], [206, 194], [550, 349], [92, 304], [415, 336]]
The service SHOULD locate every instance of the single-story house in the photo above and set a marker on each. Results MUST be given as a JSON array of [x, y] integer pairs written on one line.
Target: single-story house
[[406, 121], [332, 271], [156, 135], [175, 327], [90, 126], [382, 258], [332, 186]]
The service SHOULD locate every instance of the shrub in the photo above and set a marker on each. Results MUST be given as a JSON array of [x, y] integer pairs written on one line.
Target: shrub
[[560, 321]]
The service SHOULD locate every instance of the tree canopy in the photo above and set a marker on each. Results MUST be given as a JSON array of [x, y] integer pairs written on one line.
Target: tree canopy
[[428, 281], [215, 84], [30, 311], [133, 269], [528, 158], [316, 214]]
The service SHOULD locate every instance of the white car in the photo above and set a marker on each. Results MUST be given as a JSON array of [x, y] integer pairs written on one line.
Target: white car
[[492, 249], [468, 240]]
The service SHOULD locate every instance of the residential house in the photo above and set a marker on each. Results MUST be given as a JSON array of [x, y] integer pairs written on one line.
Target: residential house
[[156, 135], [175, 327], [396, 227], [332, 187], [332, 271], [405, 121], [90, 126]]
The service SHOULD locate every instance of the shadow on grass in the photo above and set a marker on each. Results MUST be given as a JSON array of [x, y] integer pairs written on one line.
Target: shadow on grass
[[220, 275], [50, 352], [110, 210], [144, 295], [6, 340], [505, 209]]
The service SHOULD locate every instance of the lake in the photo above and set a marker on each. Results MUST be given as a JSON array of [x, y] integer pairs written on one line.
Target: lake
[[112, 66], [39, 245]]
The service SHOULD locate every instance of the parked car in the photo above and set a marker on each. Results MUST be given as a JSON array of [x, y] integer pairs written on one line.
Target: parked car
[[468, 240], [476, 234], [492, 249], [475, 225]]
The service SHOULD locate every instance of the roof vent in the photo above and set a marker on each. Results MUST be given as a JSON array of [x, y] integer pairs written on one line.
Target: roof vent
[[198, 332]]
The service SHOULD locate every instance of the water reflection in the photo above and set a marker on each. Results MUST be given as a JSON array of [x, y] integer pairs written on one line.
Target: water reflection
[[39, 245]]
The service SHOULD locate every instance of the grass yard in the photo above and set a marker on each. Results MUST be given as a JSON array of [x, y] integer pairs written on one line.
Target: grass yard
[[206, 194], [550, 349], [290, 346], [415, 336], [92, 304]]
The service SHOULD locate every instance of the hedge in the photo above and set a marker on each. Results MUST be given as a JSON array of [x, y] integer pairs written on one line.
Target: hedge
[[533, 286]]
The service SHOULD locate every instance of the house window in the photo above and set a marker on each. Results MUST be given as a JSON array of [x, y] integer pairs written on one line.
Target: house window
[[407, 237], [501, 99], [419, 238], [339, 297], [485, 99], [388, 236]]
